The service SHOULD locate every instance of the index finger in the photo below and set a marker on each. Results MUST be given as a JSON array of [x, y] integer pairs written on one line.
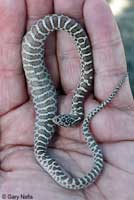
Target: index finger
[[108, 51]]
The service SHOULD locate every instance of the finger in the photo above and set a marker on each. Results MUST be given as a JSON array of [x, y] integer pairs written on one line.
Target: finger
[[67, 55], [108, 52], [109, 125], [13, 93], [35, 11]]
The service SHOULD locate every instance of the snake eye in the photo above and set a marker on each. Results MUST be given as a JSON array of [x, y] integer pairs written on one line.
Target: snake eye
[[57, 120]]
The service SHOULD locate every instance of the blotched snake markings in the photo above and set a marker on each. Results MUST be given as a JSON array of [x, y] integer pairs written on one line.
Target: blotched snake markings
[[45, 97]]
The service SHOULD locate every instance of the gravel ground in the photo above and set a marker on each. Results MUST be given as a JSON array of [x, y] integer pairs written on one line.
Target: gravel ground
[[124, 13]]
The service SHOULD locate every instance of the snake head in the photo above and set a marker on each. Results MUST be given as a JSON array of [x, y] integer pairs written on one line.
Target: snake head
[[66, 120]]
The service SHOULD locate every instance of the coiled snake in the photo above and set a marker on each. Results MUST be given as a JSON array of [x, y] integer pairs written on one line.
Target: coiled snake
[[45, 97]]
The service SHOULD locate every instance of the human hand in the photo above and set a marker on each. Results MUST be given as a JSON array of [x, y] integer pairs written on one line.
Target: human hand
[[112, 127]]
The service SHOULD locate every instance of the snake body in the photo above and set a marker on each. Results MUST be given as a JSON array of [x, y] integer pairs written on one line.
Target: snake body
[[45, 97]]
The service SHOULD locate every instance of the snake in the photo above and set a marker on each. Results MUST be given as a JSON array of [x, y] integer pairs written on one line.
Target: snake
[[45, 98]]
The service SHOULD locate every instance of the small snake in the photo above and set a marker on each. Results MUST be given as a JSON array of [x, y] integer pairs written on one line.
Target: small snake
[[45, 97]]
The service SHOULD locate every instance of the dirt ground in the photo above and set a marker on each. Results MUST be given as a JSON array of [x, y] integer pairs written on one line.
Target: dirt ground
[[124, 13]]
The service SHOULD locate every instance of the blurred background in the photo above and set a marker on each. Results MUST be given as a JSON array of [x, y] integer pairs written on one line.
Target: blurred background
[[123, 10]]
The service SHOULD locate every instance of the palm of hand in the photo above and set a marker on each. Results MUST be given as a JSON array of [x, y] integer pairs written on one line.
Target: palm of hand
[[112, 127]]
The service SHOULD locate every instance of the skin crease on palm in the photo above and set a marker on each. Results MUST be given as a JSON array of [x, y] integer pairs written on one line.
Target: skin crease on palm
[[113, 127]]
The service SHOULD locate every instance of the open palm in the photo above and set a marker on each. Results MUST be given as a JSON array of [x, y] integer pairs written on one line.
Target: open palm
[[113, 127]]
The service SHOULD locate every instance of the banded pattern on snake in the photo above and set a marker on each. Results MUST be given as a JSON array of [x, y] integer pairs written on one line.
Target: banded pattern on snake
[[45, 97]]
